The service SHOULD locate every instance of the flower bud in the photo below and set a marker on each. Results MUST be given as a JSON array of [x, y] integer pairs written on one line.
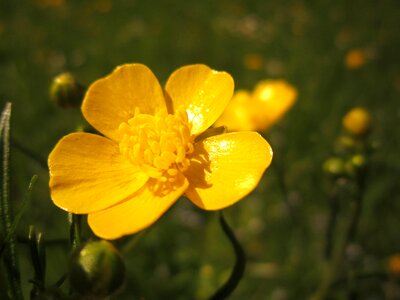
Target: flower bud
[[334, 166], [66, 91], [357, 121], [355, 164], [355, 58], [97, 270], [346, 142], [358, 161]]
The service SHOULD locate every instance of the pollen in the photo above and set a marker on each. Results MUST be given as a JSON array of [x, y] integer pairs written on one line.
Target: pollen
[[159, 145]]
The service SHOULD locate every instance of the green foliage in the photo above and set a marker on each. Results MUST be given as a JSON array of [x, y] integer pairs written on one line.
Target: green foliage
[[282, 226]]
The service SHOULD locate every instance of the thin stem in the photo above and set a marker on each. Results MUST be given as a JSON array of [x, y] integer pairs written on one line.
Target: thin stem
[[239, 267], [75, 230], [283, 187], [10, 257], [18, 215], [333, 266], [332, 221], [29, 153], [133, 241]]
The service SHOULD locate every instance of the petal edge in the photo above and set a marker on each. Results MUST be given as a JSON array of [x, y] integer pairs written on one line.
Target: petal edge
[[226, 168]]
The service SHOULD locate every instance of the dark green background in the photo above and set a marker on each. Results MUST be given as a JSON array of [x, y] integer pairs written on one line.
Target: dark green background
[[185, 255]]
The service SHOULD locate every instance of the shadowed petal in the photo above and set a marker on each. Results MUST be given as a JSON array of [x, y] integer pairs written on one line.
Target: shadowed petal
[[112, 100], [88, 173], [225, 168], [136, 213], [203, 92]]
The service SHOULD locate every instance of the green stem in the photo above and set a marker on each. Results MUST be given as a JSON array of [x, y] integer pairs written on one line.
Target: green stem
[[10, 257], [29, 153], [283, 187], [133, 241], [18, 215], [75, 230], [333, 266], [240, 264], [332, 221], [38, 256]]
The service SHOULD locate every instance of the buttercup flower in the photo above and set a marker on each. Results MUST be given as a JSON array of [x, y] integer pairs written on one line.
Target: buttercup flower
[[394, 265], [357, 121], [154, 150], [258, 110], [239, 113], [355, 58]]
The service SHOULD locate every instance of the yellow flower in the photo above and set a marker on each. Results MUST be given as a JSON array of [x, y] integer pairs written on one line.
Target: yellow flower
[[238, 114], [152, 151], [254, 61], [357, 121], [394, 265], [261, 109], [355, 58]]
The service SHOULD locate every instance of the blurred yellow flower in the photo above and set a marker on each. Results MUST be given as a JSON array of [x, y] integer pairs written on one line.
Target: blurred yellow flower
[[152, 151], [103, 6], [254, 61], [238, 113], [261, 109], [394, 265], [357, 121], [355, 58]]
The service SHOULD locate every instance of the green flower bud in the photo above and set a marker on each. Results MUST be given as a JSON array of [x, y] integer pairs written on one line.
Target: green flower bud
[[358, 161], [334, 166], [66, 91], [346, 142], [355, 164], [97, 270]]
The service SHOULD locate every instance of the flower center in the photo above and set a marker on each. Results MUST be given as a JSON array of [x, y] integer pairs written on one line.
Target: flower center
[[158, 144]]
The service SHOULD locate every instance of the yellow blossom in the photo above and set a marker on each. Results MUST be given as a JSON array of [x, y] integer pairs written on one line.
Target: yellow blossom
[[394, 265], [261, 108], [152, 151], [238, 114], [357, 121], [253, 61], [355, 58]]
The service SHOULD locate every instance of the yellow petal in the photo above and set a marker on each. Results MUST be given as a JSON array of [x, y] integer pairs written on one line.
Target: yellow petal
[[136, 213], [88, 173], [275, 98], [238, 114], [203, 92], [112, 100], [226, 167]]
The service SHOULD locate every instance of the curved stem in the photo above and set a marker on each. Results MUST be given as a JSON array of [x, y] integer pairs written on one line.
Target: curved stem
[[239, 266]]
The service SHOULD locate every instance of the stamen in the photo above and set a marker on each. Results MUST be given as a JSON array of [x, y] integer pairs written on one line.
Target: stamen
[[158, 145]]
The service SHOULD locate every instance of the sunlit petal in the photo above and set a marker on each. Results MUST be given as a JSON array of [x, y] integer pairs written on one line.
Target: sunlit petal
[[87, 173], [225, 168], [238, 115], [274, 98], [112, 100], [203, 92], [136, 213]]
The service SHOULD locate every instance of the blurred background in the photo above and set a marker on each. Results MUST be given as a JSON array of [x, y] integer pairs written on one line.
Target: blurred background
[[337, 54]]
